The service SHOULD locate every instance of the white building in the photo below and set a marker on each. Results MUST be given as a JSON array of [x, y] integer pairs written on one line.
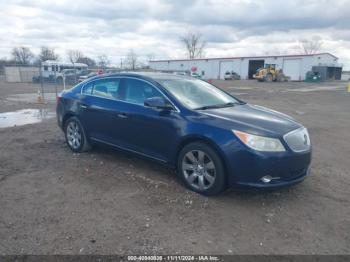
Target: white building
[[294, 66]]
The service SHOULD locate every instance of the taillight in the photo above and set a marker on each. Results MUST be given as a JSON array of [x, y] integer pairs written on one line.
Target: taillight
[[58, 99]]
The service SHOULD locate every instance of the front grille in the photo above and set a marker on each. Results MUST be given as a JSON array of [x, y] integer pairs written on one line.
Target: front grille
[[298, 140]]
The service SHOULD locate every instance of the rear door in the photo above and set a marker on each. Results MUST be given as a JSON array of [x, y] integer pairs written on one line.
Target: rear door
[[99, 109]]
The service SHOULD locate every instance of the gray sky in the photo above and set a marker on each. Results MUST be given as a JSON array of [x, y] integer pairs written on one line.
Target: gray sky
[[231, 28]]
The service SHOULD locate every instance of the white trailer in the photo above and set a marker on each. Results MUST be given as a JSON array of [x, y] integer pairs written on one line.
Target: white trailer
[[55, 70]]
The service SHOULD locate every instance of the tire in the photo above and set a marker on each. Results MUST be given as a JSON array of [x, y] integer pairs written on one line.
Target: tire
[[280, 78], [75, 135], [201, 169], [268, 78]]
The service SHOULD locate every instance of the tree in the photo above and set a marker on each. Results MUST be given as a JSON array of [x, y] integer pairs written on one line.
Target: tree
[[150, 57], [87, 60], [47, 53], [103, 61], [311, 46], [194, 44], [131, 60], [74, 55], [22, 55]]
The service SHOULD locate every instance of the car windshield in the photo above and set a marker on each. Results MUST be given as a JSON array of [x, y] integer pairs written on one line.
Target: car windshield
[[197, 94]]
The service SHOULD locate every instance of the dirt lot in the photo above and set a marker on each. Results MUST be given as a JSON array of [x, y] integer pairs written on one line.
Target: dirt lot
[[106, 202]]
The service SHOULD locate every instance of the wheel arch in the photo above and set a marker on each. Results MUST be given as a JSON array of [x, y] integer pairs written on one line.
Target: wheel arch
[[66, 116], [196, 138]]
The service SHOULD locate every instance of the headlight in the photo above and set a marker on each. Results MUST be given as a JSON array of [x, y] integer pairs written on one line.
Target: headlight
[[260, 143]]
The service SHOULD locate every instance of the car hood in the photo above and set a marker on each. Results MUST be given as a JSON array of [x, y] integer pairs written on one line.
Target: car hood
[[252, 119]]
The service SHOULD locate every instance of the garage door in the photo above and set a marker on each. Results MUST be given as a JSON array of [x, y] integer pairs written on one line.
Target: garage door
[[224, 67], [292, 68]]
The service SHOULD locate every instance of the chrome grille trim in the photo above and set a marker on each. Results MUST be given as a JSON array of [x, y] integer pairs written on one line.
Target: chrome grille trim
[[298, 140]]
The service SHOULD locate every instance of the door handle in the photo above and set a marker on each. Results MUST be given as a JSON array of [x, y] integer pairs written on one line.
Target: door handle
[[83, 106], [122, 115]]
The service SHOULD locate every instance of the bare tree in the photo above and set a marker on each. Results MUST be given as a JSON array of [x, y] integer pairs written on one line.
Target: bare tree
[[47, 53], [103, 61], [150, 57], [87, 60], [194, 44], [131, 59], [311, 46], [74, 55], [22, 55]]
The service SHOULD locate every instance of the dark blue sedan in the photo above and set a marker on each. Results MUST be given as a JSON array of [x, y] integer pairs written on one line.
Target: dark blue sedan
[[211, 138]]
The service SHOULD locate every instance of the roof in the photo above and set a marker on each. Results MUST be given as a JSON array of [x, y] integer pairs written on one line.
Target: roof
[[142, 75], [242, 57]]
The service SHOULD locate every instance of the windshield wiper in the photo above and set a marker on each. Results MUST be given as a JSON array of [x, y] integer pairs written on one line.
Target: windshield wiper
[[216, 106]]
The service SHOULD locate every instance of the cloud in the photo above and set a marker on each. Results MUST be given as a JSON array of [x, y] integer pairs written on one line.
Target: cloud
[[236, 28]]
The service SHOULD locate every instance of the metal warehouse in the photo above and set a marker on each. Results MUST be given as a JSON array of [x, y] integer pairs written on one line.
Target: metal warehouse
[[293, 66]]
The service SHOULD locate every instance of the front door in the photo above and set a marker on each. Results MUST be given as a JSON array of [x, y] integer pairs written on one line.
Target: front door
[[146, 130]]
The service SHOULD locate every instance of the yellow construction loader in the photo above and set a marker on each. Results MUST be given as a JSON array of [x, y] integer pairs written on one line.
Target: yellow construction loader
[[269, 73]]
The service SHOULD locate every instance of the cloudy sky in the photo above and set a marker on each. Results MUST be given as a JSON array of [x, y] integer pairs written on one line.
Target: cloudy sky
[[230, 28]]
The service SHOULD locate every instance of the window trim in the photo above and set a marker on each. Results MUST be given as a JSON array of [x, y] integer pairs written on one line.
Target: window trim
[[176, 109]]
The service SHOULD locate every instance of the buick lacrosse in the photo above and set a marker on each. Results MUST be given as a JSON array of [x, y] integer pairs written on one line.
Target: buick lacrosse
[[212, 139]]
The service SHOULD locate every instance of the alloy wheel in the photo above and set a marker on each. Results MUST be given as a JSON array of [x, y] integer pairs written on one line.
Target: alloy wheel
[[198, 169], [74, 135]]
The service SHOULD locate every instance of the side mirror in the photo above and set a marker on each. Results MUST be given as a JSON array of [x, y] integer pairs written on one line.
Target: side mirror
[[158, 102]]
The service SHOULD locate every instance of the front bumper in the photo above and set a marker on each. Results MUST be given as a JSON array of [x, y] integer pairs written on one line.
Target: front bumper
[[246, 167], [255, 76], [277, 183]]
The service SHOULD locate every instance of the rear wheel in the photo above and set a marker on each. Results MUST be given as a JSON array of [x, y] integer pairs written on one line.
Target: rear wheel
[[201, 169], [75, 135], [280, 78]]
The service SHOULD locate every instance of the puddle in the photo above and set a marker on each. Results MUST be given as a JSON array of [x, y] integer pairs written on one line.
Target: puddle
[[24, 117]]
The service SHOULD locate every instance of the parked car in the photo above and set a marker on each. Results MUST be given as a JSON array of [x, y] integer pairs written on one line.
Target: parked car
[[312, 76], [213, 139], [70, 76], [231, 76], [195, 75], [180, 73], [86, 76], [113, 71]]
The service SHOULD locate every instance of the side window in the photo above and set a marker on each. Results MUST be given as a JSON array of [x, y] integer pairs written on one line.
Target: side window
[[136, 91], [87, 89], [106, 88]]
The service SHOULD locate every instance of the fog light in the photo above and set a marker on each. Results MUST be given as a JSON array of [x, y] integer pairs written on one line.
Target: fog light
[[266, 179]]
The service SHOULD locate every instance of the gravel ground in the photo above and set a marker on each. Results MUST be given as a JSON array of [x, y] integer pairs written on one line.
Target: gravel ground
[[107, 202]]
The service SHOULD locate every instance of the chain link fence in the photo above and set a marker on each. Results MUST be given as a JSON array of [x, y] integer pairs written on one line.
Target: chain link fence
[[47, 82]]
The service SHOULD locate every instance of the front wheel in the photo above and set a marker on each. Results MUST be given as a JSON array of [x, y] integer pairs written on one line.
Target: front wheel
[[201, 169], [75, 135]]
